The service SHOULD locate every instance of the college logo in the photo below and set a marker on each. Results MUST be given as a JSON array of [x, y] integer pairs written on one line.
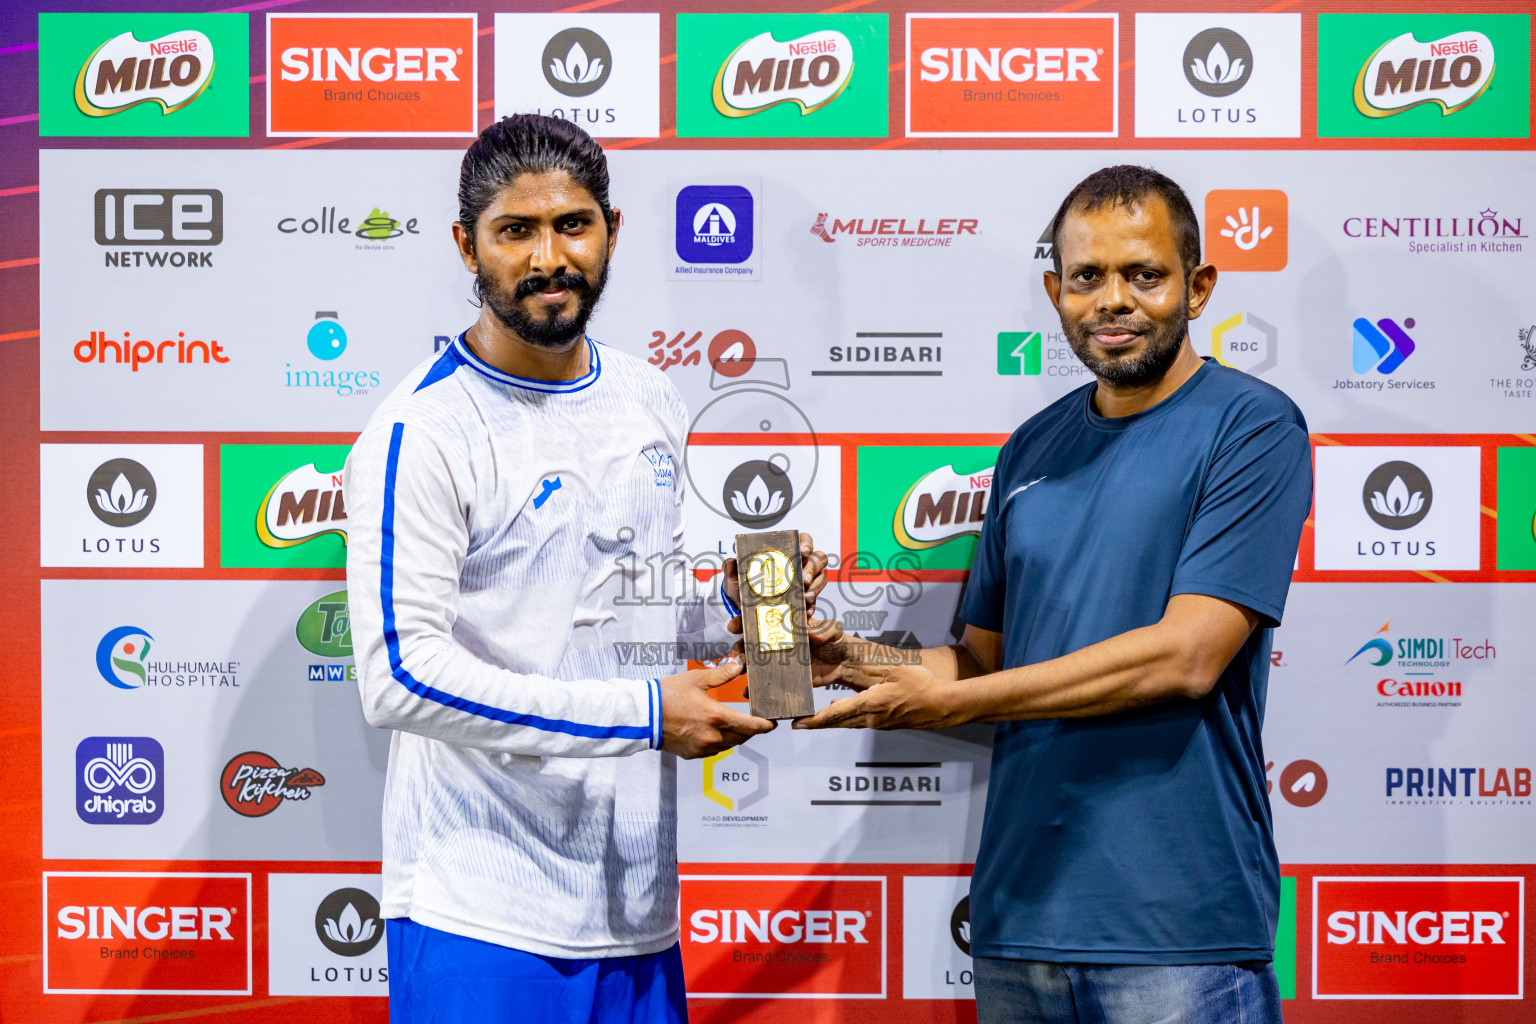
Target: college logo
[[146, 934], [121, 493], [371, 75], [1012, 75], [1247, 229], [276, 513], [1423, 75], [1391, 502], [348, 922], [941, 506], [119, 780], [253, 784], [1218, 62], [781, 75], [1245, 342], [1218, 75], [376, 228], [1376, 508], [143, 74], [750, 936], [597, 70]]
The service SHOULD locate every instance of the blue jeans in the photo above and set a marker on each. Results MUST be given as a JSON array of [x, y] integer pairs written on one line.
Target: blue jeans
[[1019, 991]]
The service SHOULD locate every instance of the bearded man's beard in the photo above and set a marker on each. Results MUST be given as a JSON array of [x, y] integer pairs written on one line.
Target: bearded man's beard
[[554, 330], [1160, 348]]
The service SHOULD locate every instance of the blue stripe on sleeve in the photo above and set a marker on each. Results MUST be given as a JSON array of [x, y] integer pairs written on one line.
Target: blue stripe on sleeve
[[730, 605], [420, 689], [653, 694]]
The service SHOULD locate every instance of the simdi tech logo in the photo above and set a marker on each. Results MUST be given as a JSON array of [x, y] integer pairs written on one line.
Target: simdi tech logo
[[782, 76], [601, 71], [282, 505], [398, 75], [1012, 75], [174, 75], [1461, 76]]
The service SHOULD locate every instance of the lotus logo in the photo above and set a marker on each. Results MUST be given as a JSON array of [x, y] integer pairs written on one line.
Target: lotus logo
[[1397, 495], [120, 657], [1218, 62], [960, 925], [121, 492], [348, 922], [758, 494], [577, 62]]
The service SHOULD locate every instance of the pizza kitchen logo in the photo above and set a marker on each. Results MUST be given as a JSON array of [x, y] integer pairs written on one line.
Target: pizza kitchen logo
[[253, 784], [809, 72], [124, 72]]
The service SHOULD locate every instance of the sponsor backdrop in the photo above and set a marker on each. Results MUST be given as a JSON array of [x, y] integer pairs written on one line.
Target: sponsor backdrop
[[228, 238]]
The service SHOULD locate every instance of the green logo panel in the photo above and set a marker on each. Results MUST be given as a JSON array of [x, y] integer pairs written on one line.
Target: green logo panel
[[1517, 508], [918, 507], [1423, 76], [782, 76], [1285, 939], [281, 506], [181, 75]]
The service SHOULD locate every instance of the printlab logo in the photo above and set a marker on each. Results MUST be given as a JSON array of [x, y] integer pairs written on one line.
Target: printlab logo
[[1382, 346], [1247, 229], [1245, 342], [960, 925], [1303, 783], [121, 493], [348, 922], [1218, 62], [119, 780], [135, 217], [758, 493], [577, 62], [715, 226], [736, 779], [120, 657], [253, 784], [1397, 495]]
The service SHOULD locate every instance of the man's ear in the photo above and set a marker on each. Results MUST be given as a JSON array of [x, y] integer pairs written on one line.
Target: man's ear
[[466, 243], [615, 218], [1053, 288], [1202, 283]]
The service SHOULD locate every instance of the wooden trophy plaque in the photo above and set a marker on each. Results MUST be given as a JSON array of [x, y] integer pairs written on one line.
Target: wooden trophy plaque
[[777, 652]]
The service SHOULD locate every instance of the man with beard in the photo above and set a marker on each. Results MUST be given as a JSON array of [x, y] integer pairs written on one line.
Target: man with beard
[[516, 525], [1135, 556]]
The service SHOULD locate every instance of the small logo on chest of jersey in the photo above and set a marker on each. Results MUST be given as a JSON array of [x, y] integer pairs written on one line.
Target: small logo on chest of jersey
[[661, 467], [548, 487]]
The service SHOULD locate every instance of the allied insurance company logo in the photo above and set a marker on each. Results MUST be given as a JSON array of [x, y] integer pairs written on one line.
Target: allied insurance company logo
[[254, 784], [808, 72], [1012, 75], [124, 72], [371, 75], [1247, 229], [1404, 73], [348, 922], [119, 780], [714, 225], [129, 219]]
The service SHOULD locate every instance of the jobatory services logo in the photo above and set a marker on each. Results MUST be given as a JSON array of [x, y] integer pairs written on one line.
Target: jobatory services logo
[[915, 518], [397, 75], [282, 505], [146, 933], [135, 223], [122, 505], [119, 780], [1247, 229], [1486, 231], [601, 71], [1397, 508], [1218, 75], [716, 232], [1382, 347], [1517, 508], [1437, 937], [1247, 342], [782, 75], [1462, 76], [175, 75], [122, 659], [1012, 75], [254, 784]]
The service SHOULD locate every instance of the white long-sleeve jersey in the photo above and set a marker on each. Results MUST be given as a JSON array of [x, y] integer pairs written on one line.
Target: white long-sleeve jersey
[[507, 538]]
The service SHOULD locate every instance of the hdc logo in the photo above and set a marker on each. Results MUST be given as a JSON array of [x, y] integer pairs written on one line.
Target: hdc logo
[[1247, 229]]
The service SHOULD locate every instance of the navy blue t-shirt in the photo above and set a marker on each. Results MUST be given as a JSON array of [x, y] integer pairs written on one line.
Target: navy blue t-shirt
[[1143, 837]]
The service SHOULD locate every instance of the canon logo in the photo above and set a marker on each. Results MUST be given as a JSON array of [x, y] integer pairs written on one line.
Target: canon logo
[[377, 64], [1050, 64], [1424, 928], [152, 923], [833, 926]]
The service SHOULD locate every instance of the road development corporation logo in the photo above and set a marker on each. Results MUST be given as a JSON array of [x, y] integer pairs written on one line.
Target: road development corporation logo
[[736, 780], [1450, 937], [1247, 229], [119, 780], [143, 74], [371, 75], [941, 506], [144, 933], [253, 784], [1245, 342], [805, 937]]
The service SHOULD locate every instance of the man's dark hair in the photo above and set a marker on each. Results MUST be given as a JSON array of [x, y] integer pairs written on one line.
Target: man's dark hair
[[1129, 185], [528, 144]]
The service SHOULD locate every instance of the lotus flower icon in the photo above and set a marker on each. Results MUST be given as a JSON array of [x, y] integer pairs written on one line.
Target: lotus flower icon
[[1216, 68], [123, 499], [349, 927], [1398, 502], [577, 68], [758, 501], [1218, 62], [576, 62]]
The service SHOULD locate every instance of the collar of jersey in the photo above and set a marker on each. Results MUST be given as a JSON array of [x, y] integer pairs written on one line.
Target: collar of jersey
[[595, 370]]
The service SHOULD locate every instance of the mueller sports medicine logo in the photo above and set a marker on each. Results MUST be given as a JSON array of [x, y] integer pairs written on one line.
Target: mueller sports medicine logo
[[122, 659], [253, 784], [304, 504], [172, 71], [895, 232], [941, 506], [129, 218], [1404, 73], [1418, 938], [809, 72], [119, 780]]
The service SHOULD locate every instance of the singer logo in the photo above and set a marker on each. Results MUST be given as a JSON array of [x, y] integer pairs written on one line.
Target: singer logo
[[1247, 229], [1011, 75], [367, 75], [1418, 938], [159, 934], [749, 936], [1405, 73]]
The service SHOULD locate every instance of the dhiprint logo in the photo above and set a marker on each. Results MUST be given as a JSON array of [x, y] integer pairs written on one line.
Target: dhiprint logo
[[762, 72], [1405, 73], [253, 784], [348, 922], [1382, 346], [577, 62], [758, 493], [1247, 229], [119, 780], [120, 657], [1397, 495], [121, 493], [715, 225], [1218, 62], [124, 72]]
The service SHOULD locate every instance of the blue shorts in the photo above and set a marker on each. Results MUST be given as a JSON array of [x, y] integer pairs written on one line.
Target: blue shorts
[[436, 977]]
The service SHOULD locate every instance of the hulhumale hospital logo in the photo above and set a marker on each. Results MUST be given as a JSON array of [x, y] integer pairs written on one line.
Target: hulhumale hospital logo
[[1218, 62], [120, 657]]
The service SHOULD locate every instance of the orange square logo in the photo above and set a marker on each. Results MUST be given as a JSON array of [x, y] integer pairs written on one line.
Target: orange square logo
[[1247, 229], [1012, 75], [371, 75], [162, 934]]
